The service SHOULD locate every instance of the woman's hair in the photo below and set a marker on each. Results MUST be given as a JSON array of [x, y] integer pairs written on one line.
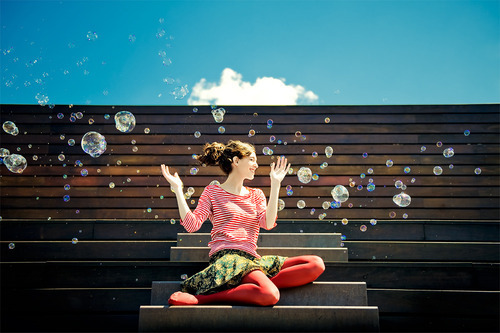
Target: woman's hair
[[220, 154]]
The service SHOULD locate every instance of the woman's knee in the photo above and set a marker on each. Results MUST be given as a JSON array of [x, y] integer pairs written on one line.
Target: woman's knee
[[317, 263], [269, 295]]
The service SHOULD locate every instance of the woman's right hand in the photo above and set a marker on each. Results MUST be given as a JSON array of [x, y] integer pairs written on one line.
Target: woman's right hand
[[174, 180]]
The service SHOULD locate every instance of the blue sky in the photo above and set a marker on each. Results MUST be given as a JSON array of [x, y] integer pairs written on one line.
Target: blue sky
[[250, 52]]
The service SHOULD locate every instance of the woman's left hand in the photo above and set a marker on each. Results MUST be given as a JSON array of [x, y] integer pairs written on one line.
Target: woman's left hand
[[279, 169]]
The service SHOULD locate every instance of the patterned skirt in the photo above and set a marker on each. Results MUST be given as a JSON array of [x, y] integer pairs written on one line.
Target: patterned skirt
[[226, 270]]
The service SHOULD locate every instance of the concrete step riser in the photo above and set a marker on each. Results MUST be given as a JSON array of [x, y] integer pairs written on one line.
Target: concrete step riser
[[316, 293], [270, 239], [255, 319], [200, 254]]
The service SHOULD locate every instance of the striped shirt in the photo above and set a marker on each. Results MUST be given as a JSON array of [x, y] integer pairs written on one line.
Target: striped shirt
[[236, 219]]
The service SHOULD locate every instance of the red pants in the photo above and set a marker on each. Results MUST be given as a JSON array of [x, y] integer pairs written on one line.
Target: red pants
[[256, 288]]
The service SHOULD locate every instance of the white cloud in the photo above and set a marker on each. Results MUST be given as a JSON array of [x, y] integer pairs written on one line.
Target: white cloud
[[232, 90]]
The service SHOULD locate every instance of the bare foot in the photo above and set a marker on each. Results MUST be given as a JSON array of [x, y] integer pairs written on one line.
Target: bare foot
[[180, 298]]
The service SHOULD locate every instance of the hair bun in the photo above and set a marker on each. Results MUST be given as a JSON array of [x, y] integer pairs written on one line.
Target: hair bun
[[212, 153]]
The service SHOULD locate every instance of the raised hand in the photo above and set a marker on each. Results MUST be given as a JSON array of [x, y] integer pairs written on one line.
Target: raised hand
[[174, 180], [279, 170]]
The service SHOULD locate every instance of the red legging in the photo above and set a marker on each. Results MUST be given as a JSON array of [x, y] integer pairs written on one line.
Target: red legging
[[256, 288]]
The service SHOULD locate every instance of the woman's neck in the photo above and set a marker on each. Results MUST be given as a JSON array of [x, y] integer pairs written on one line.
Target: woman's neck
[[234, 185]]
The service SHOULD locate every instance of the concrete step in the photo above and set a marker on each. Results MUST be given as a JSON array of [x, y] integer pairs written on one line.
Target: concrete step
[[270, 239], [316, 293], [226, 318], [200, 254]]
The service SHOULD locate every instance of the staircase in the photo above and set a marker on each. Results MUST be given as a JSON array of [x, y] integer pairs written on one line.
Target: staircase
[[318, 306]]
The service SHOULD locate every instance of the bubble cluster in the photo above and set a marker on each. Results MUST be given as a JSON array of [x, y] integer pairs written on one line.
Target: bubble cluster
[[15, 163], [340, 193], [305, 175], [94, 144], [402, 199], [124, 121], [218, 115], [10, 128], [269, 123], [267, 151]]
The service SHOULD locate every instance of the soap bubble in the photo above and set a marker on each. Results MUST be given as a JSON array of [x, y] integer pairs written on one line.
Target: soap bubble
[[4, 152], [407, 169], [10, 128], [448, 152], [124, 121], [84, 172], [272, 138], [335, 204], [197, 134], [79, 115], [328, 151], [184, 276], [193, 171], [181, 91], [281, 204], [190, 190], [172, 221], [298, 134], [91, 35], [373, 221], [362, 176], [340, 193], [111, 185], [398, 184], [312, 211], [370, 187], [195, 109], [71, 142], [321, 216], [267, 151], [94, 144], [62, 136], [12, 246], [66, 198], [304, 174], [91, 121], [327, 120], [221, 130], [74, 241], [389, 163], [301, 204], [326, 204], [423, 148], [437, 170], [135, 149], [106, 116], [214, 182], [345, 221], [477, 171], [251, 133], [439, 144], [363, 228], [369, 171], [219, 115], [365, 155], [466, 132], [60, 116], [323, 165], [147, 130], [269, 123], [405, 216], [15, 163], [67, 187], [360, 187], [402, 199], [61, 157], [392, 214]]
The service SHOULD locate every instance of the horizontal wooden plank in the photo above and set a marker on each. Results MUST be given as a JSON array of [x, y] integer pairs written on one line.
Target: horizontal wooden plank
[[85, 250]]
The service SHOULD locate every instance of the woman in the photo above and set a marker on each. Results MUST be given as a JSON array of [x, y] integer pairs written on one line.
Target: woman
[[237, 274]]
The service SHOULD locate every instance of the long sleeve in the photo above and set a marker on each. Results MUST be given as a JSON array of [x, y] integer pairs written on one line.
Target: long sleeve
[[194, 220]]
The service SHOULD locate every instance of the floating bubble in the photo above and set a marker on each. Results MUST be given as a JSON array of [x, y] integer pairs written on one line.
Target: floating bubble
[[281, 204], [267, 151], [197, 134], [326, 204], [477, 171], [323, 165], [298, 134], [345, 221], [10, 128], [72, 118], [195, 109], [15, 163], [147, 130], [402, 199], [340, 193], [74, 241], [289, 193], [437, 170], [423, 148], [71, 142], [91, 121], [172, 221], [193, 171], [65, 176], [405, 216], [314, 154], [439, 144], [363, 228], [118, 162], [407, 169], [84, 172], [369, 171], [392, 214], [466, 132], [61, 157], [12, 246], [365, 155], [398, 184], [131, 38], [67, 187], [413, 180], [321, 216], [62, 137], [4, 152], [60, 116], [327, 120], [107, 116], [214, 182], [343, 237], [360, 187], [328, 151], [111, 185], [94, 144], [251, 133], [335, 204], [221, 129], [66, 198], [124, 121], [218, 115], [305, 175], [312, 211], [448, 152], [301, 204], [272, 138], [149, 210], [352, 184], [180, 92], [389, 163], [184, 276], [370, 187], [315, 176], [269, 123], [92, 35], [79, 115], [362, 176], [451, 166], [135, 149], [373, 221], [303, 138]]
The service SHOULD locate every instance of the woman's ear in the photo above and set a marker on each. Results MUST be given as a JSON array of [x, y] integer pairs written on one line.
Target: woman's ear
[[236, 160]]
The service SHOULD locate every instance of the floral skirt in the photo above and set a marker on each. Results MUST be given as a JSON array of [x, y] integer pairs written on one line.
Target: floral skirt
[[226, 270]]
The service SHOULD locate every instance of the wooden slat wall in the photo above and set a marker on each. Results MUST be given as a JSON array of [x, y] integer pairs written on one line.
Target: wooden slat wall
[[384, 132]]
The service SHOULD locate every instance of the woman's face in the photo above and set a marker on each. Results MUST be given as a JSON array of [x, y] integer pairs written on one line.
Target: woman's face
[[247, 165]]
